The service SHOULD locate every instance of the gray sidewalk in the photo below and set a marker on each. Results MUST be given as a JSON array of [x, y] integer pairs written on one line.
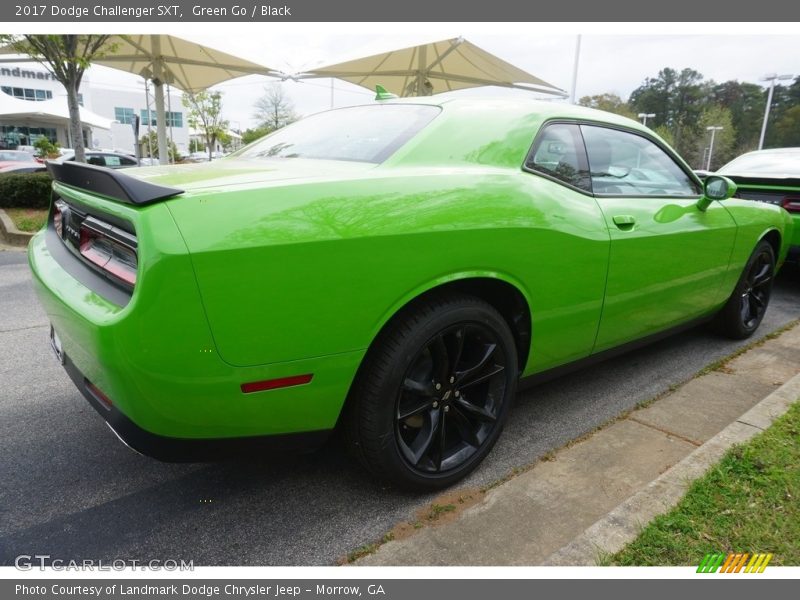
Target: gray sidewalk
[[591, 497]]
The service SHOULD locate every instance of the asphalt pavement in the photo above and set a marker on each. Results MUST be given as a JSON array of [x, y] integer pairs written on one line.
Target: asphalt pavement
[[70, 489]]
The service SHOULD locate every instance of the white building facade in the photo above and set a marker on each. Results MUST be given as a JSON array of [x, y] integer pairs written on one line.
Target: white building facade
[[118, 103]]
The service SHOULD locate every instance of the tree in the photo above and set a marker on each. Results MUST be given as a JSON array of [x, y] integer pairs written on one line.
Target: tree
[[149, 145], [786, 129], [783, 99], [610, 103], [45, 148], [205, 114], [274, 109], [251, 135], [677, 99], [67, 57], [664, 133], [724, 139], [746, 103]]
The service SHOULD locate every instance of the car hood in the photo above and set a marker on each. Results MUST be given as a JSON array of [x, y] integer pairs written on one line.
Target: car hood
[[246, 172]]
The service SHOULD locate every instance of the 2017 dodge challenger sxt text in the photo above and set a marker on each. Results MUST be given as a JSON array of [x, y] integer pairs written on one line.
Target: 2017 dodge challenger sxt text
[[392, 269]]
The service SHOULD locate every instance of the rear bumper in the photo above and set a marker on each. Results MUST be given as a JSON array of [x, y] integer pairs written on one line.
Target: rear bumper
[[171, 449], [156, 361]]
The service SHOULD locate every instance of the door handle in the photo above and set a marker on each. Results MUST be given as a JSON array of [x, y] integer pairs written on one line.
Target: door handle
[[624, 222]]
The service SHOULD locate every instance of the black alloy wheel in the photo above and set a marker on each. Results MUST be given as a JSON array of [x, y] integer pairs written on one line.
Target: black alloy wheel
[[743, 312], [755, 296], [434, 392], [450, 398]]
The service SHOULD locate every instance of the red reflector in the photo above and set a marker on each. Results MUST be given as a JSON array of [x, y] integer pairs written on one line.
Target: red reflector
[[271, 384], [791, 203], [98, 393]]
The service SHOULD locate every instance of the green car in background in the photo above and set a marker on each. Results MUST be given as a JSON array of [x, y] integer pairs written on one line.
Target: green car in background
[[770, 176], [391, 270]]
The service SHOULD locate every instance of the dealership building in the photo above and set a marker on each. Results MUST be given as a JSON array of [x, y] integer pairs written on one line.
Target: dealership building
[[33, 105]]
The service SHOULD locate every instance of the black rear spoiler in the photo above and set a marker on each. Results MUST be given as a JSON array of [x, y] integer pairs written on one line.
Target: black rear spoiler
[[108, 182], [746, 180]]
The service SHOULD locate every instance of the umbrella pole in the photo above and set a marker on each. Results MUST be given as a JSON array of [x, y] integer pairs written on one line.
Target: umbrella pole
[[158, 81], [423, 59]]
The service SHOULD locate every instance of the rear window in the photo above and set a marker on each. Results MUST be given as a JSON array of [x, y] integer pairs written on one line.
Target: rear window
[[361, 134]]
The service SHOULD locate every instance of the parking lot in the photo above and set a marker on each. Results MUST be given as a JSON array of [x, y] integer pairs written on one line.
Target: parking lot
[[71, 490]]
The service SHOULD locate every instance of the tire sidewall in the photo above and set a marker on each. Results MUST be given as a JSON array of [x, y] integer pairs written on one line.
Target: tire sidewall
[[415, 340]]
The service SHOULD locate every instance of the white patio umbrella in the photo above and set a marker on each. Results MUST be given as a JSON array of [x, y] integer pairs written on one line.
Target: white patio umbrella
[[431, 68], [183, 64], [186, 65]]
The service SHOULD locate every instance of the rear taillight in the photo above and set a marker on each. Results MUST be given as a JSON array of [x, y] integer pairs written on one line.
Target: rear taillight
[[791, 203], [104, 247], [58, 217]]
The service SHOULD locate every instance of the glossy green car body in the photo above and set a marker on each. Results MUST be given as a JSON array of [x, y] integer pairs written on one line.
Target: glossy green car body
[[268, 269]]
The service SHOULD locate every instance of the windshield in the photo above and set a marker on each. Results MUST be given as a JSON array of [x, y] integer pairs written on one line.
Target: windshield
[[361, 133], [766, 163]]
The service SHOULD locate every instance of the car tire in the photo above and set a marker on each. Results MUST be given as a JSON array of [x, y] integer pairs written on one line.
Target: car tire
[[744, 310], [433, 393]]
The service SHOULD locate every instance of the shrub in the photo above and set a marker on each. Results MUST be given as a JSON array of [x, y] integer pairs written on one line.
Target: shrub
[[46, 149], [25, 190]]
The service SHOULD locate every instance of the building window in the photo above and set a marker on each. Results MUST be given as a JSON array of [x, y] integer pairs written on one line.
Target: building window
[[124, 115], [28, 93], [12, 136], [174, 119], [152, 121]]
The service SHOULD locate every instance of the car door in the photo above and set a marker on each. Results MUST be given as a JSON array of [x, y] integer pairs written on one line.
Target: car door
[[568, 253], [667, 258]]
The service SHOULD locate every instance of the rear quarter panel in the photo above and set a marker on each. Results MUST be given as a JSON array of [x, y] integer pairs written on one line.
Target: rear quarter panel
[[297, 271], [754, 220]]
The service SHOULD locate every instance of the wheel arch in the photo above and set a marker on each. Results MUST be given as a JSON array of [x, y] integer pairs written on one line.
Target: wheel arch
[[773, 237], [503, 292]]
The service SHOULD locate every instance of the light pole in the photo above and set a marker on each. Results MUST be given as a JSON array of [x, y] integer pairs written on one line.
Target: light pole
[[645, 116], [771, 77], [713, 129], [574, 71]]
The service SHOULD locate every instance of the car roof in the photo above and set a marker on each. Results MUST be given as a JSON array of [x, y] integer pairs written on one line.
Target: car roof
[[491, 130]]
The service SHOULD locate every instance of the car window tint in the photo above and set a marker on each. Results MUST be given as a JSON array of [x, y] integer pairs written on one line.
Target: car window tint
[[559, 153], [361, 133], [94, 160], [628, 164], [112, 161], [127, 161]]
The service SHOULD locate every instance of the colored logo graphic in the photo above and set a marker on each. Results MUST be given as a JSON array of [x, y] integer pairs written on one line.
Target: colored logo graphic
[[734, 563]]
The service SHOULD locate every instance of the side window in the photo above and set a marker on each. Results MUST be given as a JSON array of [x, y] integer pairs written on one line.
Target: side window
[[112, 161], [95, 160], [559, 153], [631, 165], [127, 161]]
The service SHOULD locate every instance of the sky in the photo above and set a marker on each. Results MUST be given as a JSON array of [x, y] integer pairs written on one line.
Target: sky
[[617, 61]]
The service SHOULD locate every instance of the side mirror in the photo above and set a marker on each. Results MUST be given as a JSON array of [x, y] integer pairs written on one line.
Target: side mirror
[[715, 187]]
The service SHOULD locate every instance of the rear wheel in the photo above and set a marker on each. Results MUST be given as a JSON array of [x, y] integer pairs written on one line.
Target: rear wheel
[[433, 394], [745, 309]]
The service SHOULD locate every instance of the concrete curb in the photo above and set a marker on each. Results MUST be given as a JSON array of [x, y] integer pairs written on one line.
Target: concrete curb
[[623, 524], [10, 234]]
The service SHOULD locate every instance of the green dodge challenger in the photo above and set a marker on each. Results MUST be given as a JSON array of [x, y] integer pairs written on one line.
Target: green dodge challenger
[[391, 270]]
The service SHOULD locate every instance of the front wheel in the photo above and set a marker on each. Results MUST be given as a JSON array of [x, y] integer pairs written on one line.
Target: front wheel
[[744, 310], [434, 392]]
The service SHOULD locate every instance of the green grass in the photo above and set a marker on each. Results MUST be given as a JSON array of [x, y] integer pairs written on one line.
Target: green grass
[[28, 219], [749, 502]]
